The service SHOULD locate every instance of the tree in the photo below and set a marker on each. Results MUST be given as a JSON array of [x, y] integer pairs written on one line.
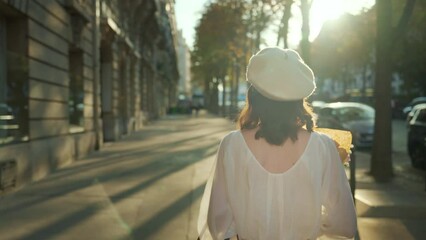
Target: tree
[[218, 40], [229, 32], [381, 161], [411, 55], [305, 46], [259, 14], [283, 28], [343, 49]]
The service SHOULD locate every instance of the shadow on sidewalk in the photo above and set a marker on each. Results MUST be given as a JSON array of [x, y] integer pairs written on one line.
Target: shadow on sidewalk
[[169, 152], [155, 223]]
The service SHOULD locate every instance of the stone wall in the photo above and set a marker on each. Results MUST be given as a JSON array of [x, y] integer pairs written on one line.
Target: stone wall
[[68, 54]]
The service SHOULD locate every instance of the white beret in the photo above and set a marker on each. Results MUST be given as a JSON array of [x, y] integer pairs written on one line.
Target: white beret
[[280, 74]]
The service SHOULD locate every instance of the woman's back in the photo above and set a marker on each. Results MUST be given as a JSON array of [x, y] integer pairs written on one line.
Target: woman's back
[[281, 202], [276, 159]]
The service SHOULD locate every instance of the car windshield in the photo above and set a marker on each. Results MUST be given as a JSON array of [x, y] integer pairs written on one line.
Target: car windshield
[[418, 100], [354, 113]]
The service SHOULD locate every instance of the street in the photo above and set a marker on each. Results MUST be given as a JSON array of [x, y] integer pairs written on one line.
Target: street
[[407, 175], [401, 160], [148, 186]]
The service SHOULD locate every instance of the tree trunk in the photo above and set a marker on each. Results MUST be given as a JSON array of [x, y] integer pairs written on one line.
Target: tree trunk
[[207, 94], [234, 110], [364, 84], [223, 96], [283, 31], [259, 27], [237, 87], [381, 161], [232, 95], [304, 43], [214, 103], [257, 40]]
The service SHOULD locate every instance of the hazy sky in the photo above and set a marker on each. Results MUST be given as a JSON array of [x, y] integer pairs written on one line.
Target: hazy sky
[[188, 13]]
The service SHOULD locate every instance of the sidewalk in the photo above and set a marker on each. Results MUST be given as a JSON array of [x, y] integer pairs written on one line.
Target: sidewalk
[[393, 210], [146, 186], [149, 186]]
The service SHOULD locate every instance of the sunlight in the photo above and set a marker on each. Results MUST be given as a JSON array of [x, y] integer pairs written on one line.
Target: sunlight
[[321, 11], [324, 10]]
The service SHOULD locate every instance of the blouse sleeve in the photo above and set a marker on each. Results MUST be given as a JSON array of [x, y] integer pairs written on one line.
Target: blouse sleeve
[[215, 220], [339, 215]]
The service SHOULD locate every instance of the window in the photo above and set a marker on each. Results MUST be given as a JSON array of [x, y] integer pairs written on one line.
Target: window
[[76, 91], [354, 113], [421, 116], [5, 111], [13, 80]]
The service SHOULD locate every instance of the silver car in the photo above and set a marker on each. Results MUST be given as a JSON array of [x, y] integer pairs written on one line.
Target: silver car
[[355, 117]]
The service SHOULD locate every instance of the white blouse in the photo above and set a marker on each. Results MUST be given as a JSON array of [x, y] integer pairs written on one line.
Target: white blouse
[[310, 199]]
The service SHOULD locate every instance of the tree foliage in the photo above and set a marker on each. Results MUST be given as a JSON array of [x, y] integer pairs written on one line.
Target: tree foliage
[[388, 39], [410, 57], [228, 33], [345, 47], [220, 38], [349, 43], [259, 14]]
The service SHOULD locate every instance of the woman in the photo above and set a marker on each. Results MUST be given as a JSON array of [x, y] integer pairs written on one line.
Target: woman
[[275, 178]]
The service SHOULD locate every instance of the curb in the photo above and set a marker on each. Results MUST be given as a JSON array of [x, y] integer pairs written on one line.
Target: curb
[[390, 204]]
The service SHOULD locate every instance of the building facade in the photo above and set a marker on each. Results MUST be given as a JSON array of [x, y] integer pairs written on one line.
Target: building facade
[[77, 73], [184, 65]]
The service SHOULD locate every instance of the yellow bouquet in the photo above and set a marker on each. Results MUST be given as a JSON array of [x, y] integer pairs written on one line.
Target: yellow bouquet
[[343, 141]]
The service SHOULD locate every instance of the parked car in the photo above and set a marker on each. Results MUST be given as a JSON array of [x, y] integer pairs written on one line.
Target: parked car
[[417, 138], [413, 102], [413, 111], [184, 106], [317, 105], [355, 117]]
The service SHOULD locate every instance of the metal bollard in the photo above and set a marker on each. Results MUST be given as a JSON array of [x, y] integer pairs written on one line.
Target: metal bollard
[[352, 181], [352, 177]]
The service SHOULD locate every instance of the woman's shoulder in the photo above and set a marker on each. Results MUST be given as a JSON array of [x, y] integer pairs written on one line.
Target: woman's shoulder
[[232, 139], [322, 140], [229, 141], [231, 136]]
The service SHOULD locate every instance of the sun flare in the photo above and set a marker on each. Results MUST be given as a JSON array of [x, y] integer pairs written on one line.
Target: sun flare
[[324, 10]]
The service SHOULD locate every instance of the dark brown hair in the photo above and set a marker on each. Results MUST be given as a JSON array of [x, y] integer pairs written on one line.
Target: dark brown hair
[[277, 120]]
